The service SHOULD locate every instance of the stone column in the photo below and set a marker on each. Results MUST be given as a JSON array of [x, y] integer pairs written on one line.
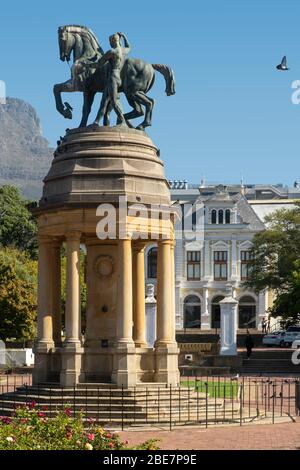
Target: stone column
[[173, 306], [164, 292], [125, 310], [207, 265], [205, 320], [166, 349], [72, 352], [73, 288], [229, 307], [45, 314], [124, 367], [139, 319], [56, 291]]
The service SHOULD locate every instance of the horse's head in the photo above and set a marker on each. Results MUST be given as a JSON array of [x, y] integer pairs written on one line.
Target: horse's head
[[78, 39], [66, 41]]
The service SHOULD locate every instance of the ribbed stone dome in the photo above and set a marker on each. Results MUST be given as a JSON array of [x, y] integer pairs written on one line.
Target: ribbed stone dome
[[99, 164]]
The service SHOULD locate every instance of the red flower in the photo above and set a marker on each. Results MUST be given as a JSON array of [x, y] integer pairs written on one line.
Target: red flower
[[91, 436], [111, 445], [41, 414], [32, 404], [108, 435], [68, 412], [6, 420]]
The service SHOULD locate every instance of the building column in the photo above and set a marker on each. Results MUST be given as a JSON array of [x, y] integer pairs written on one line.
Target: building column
[[164, 294], [124, 367], [234, 274], [139, 315], [56, 291], [166, 349], [44, 311], [71, 372], [73, 288], [205, 319], [45, 314], [207, 265], [173, 306]]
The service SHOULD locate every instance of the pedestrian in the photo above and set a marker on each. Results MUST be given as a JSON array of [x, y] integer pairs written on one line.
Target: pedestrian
[[249, 344], [264, 325]]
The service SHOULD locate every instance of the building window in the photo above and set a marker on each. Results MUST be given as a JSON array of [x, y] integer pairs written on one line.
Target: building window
[[246, 258], [221, 216], [193, 265], [227, 216], [152, 263], [247, 312], [220, 265], [192, 312], [214, 216], [216, 312]]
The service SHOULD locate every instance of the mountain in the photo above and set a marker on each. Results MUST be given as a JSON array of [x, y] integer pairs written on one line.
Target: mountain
[[25, 155]]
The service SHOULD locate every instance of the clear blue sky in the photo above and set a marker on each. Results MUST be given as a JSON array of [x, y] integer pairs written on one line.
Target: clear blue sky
[[232, 112]]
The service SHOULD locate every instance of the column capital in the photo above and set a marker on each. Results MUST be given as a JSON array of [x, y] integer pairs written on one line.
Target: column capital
[[73, 235], [44, 239], [166, 242], [138, 246]]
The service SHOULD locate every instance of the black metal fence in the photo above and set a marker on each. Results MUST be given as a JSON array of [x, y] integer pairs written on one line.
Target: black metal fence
[[203, 401]]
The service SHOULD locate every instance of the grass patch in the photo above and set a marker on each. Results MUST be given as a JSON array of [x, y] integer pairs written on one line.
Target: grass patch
[[215, 388]]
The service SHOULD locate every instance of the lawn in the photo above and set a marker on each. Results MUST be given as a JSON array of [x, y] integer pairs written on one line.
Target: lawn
[[215, 388]]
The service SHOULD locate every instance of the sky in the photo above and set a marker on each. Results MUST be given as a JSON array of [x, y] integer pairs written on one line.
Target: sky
[[232, 114]]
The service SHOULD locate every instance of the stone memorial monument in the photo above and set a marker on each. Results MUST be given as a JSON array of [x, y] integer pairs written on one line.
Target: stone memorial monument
[[105, 192]]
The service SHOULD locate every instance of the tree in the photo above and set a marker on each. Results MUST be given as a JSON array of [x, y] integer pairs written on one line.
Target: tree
[[275, 264], [17, 226], [18, 281]]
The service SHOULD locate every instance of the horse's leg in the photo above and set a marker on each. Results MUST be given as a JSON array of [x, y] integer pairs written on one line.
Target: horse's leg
[[142, 99], [137, 108], [58, 89], [88, 98]]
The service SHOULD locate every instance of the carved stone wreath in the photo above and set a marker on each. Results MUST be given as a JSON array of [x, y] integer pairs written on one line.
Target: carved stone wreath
[[104, 266]]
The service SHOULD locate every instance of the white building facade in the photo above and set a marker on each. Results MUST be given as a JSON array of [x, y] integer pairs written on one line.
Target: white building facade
[[214, 254]]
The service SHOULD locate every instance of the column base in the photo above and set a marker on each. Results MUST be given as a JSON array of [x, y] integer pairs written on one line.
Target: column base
[[124, 366], [228, 351], [42, 361], [167, 364], [71, 358]]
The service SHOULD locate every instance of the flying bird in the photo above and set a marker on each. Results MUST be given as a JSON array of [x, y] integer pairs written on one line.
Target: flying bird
[[282, 65]]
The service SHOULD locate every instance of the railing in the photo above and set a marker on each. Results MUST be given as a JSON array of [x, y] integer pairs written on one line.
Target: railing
[[202, 401]]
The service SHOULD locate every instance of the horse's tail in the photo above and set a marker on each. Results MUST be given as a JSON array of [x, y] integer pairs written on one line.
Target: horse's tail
[[168, 74]]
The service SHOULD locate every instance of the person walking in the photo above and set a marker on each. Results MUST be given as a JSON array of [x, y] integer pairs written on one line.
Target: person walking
[[264, 325], [249, 344]]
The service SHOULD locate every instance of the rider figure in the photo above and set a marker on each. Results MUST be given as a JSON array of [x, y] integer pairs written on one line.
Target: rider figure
[[116, 58]]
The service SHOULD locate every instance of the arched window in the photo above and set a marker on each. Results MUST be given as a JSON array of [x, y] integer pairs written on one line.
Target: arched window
[[152, 263], [247, 312], [192, 312], [216, 312], [221, 216], [214, 216], [227, 216]]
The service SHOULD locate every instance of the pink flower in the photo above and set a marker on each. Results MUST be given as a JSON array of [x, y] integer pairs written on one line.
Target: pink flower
[[41, 414], [68, 412], [91, 436], [6, 420]]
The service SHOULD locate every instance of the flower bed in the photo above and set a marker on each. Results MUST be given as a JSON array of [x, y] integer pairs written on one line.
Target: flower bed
[[30, 429]]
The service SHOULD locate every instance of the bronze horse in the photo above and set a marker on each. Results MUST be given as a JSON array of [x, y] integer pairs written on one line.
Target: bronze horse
[[137, 76]]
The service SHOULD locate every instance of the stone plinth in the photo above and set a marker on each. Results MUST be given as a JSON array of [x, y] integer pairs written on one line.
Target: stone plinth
[[229, 307], [95, 170]]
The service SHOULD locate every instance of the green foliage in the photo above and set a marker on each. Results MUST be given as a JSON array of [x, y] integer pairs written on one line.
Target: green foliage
[[18, 282], [275, 265], [17, 227], [30, 429]]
